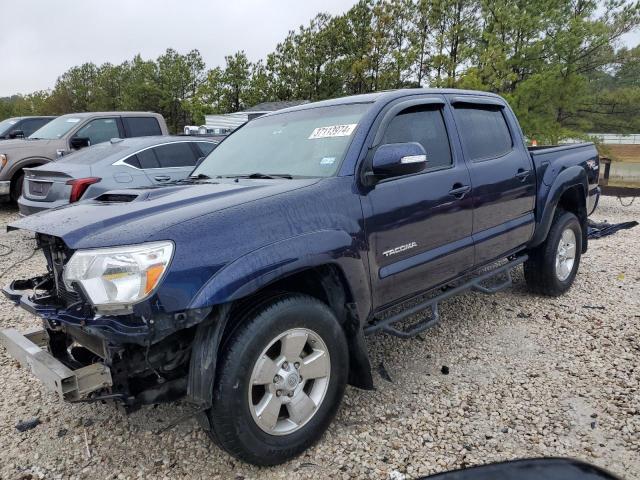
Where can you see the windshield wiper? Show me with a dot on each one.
(200, 176)
(262, 176)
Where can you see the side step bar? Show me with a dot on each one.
(70, 385)
(387, 324)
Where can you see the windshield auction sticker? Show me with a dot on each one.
(333, 131)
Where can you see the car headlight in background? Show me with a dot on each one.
(118, 276)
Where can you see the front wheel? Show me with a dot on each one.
(16, 186)
(282, 376)
(552, 267)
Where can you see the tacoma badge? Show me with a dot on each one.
(401, 248)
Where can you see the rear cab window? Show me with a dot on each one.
(483, 131)
(141, 126)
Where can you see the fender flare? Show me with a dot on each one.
(26, 163)
(253, 271)
(574, 176)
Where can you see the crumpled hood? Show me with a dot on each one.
(122, 217)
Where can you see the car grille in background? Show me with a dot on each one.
(39, 189)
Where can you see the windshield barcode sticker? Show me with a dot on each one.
(333, 131)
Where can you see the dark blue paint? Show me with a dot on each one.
(233, 238)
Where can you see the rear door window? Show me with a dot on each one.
(205, 148)
(99, 130)
(483, 131)
(141, 126)
(134, 161)
(147, 159)
(425, 125)
(175, 155)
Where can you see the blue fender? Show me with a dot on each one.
(273, 262)
(549, 197)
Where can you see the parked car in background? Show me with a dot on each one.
(65, 135)
(117, 164)
(21, 127)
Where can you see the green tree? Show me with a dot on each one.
(141, 89)
(75, 89)
(236, 82)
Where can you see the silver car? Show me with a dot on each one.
(118, 164)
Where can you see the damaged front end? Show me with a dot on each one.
(137, 355)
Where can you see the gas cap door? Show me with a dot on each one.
(122, 177)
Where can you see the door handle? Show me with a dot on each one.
(162, 178)
(523, 174)
(459, 190)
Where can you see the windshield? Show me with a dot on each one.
(56, 128)
(7, 124)
(305, 143)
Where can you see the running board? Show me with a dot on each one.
(386, 325)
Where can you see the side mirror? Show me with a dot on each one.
(200, 160)
(396, 159)
(16, 134)
(79, 142)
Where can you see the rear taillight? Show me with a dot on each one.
(79, 186)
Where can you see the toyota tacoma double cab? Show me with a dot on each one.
(249, 288)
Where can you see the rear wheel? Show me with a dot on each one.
(552, 267)
(282, 376)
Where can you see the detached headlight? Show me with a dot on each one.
(120, 275)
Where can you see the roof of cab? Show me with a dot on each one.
(384, 97)
(120, 114)
(28, 116)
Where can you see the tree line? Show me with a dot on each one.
(559, 63)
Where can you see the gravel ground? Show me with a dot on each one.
(528, 376)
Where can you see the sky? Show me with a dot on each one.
(41, 39)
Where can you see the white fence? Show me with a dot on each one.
(617, 139)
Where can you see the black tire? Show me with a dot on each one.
(233, 426)
(16, 186)
(540, 269)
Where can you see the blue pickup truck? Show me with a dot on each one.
(249, 288)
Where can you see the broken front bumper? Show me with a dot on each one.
(71, 385)
(113, 329)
